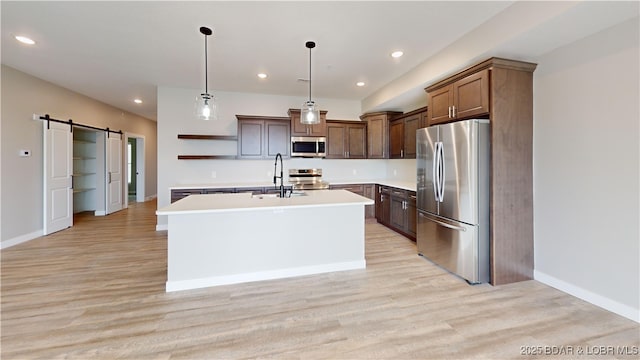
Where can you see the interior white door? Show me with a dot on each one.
(58, 167)
(114, 172)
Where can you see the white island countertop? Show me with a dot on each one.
(401, 184)
(210, 203)
(220, 239)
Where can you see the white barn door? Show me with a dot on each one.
(58, 168)
(114, 172)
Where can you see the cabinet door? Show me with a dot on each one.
(383, 204)
(300, 129)
(411, 214)
(277, 138)
(471, 95)
(297, 128)
(386, 208)
(377, 137)
(411, 125)
(440, 101)
(378, 204)
(357, 141)
(397, 216)
(250, 138)
(424, 119)
(321, 128)
(369, 193)
(336, 141)
(396, 139)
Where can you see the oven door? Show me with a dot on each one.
(307, 146)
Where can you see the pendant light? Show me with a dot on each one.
(309, 114)
(206, 108)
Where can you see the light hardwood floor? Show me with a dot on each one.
(97, 291)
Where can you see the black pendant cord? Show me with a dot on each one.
(310, 45)
(72, 124)
(206, 69)
(309, 74)
(206, 32)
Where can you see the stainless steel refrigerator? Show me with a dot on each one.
(453, 163)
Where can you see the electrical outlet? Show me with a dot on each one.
(214, 174)
(395, 172)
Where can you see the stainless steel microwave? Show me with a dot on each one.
(308, 146)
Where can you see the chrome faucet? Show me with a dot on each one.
(275, 166)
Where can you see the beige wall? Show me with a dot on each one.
(586, 169)
(21, 188)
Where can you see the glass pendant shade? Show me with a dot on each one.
(206, 107)
(309, 114)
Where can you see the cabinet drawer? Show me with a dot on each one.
(354, 188)
(219, 191)
(258, 190)
(399, 193)
(182, 193)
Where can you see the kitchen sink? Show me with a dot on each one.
(291, 194)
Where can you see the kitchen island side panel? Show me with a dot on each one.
(217, 248)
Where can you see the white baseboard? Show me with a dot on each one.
(588, 296)
(20, 239)
(162, 227)
(99, 213)
(150, 197)
(263, 275)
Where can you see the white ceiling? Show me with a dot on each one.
(116, 51)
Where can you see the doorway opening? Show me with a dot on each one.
(135, 168)
(131, 166)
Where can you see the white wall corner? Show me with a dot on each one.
(588, 296)
(21, 239)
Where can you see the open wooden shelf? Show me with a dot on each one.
(206, 157)
(207, 137)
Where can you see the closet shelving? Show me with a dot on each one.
(84, 170)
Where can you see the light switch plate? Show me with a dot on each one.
(25, 153)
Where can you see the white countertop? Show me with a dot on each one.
(406, 185)
(400, 184)
(207, 203)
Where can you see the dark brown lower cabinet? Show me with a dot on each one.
(383, 204)
(396, 209)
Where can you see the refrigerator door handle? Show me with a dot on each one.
(438, 172)
(442, 172)
(436, 177)
(442, 223)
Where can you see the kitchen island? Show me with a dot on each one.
(219, 239)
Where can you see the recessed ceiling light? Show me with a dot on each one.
(137, 101)
(397, 54)
(360, 83)
(262, 76)
(25, 40)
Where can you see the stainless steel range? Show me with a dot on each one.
(307, 179)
